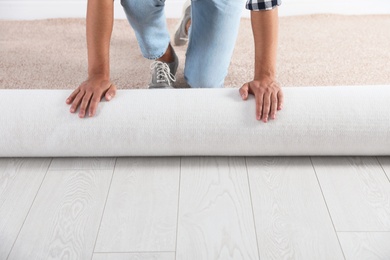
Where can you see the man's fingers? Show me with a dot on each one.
(95, 99)
(280, 100)
(259, 104)
(84, 104)
(244, 91)
(274, 105)
(266, 106)
(111, 92)
(268, 98)
(76, 102)
(72, 96)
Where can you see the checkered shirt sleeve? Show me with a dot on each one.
(257, 5)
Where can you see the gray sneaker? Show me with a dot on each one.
(163, 74)
(181, 37)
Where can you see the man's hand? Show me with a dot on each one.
(268, 95)
(100, 20)
(89, 93)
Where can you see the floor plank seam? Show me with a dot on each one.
(327, 208)
(104, 208)
(32, 203)
(253, 213)
(387, 176)
(178, 209)
(363, 231)
(135, 252)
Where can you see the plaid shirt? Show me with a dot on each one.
(257, 5)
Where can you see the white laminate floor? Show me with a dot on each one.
(195, 208)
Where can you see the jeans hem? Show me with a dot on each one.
(154, 57)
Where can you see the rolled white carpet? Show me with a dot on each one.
(347, 120)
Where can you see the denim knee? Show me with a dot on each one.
(204, 82)
(227, 6)
(148, 21)
(141, 10)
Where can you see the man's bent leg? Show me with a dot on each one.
(212, 37)
(149, 23)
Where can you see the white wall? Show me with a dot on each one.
(41, 9)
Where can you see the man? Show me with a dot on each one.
(212, 34)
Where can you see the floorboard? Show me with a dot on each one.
(215, 216)
(385, 163)
(82, 164)
(365, 245)
(134, 256)
(20, 180)
(195, 208)
(141, 210)
(357, 192)
(292, 220)
(64, 219)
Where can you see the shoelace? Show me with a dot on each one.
(163, 72)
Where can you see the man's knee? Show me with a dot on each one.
(204, 82)
(228, 6)
(141, 9)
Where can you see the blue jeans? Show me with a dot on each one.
(212, 36)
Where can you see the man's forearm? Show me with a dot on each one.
(265, 33)
(100, 15)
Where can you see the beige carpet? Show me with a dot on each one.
(313, 50)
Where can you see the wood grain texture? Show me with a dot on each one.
(215, 213)
(141, 210)
(82, 164)
(291, 217)
(65, 217)
(385, 163)
(20, 180)
(134, 256)
(357, 192)
(365, 245)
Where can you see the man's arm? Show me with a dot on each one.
(100, 20)
(269, 96)
(265, 33)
